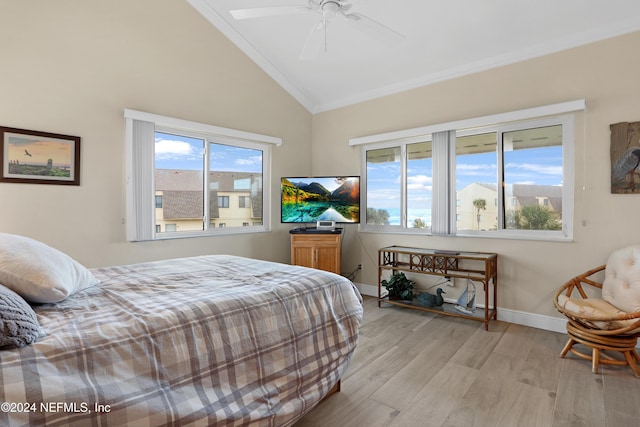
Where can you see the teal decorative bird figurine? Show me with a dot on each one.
(426, 299)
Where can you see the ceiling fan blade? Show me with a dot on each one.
(316, 42)
(374, 29)
(261, 12)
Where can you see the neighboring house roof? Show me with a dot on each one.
(183, 195)
(182, 204)
(191, 180)
(178, 180)
(488, 186)
(529, 194)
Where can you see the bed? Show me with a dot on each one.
(208, 340)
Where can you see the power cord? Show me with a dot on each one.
(351, 276)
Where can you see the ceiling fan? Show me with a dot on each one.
(329, 9)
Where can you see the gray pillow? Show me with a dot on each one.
(18, 322)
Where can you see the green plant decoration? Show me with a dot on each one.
(399, 287)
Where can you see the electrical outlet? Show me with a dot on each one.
(359, 266)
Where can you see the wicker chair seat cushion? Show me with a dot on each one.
(595, 313)
(621, 285)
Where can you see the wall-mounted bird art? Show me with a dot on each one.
(625, 157)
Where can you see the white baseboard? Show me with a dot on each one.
(548, 323)
(533, 320)
(368, 290)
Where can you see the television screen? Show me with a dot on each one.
(327, 198)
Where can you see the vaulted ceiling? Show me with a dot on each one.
(440, 39)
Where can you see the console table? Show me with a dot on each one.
(476, 266)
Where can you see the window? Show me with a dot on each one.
(533, 177)
(244, 202)
(384, 170)
(392, 201)
(194, 170)
(179, 182)
(476, 185)
(419, 185)
(242, 184)
(510, 178)
(223, 201)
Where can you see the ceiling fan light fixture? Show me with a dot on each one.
(317, 39)
(330, 9)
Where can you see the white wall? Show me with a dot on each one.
(605, 74)
(73, 66)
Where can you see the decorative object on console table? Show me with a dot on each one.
(33, 157)
(399, 287)
(473, 266)
(425, 299)
(315, 248)
(467, 301)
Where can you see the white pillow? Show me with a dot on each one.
(40, 273)
(621, 285)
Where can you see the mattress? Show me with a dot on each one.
(209, 340)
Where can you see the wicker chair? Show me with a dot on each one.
(598, 323)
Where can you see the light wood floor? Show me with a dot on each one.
(413, 368)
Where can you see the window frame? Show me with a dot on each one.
(563, 114)
(140, 168)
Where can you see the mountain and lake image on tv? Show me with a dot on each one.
(311, 199)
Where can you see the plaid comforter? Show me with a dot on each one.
(211, 340)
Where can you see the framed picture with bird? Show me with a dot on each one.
(34, 157)
(625, 157)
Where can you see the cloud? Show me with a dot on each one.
(475, 170)
(513, 170)
(171, 149)
(390, 168)
(255, 160)
(537, 168)
(419, 183)
(384, 196)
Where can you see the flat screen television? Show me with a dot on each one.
(320, 198)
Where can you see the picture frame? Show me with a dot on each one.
(34, 157)
(625, 158)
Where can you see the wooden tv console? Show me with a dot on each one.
(315, 248)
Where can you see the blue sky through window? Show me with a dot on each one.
(538, 166)
(186, 153)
